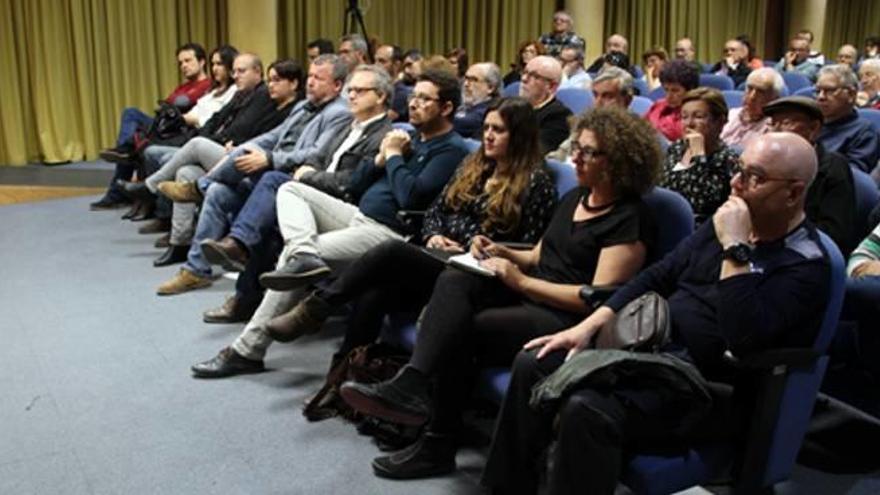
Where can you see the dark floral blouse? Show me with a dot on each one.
(538, 203)
(706, 183)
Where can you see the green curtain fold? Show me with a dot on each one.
(849, 22)
(708, 22)
(73, 65)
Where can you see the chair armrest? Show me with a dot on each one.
(412, 221)
(769, 359)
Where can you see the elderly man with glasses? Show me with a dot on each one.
(482, 82)
(845, 131)
(563, 35)
(540, 80)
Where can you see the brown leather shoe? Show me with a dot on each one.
(226, 252)
(183, 281)
(306, 317)
(181, 192)
(227, 363)
(234, 310)
(156, 226)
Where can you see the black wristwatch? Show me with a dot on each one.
(739, 252)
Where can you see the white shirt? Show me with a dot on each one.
(209, 104)
(357, 130)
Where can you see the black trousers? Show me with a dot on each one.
(593, 429)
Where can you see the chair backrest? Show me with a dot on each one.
(707, 67)
(472, 144)
(641, 87)
(657, 93)
(511, 89)
(404, 126)
(872, 116)
(733, 98)
(637, 71)
(717, 81)
(867, 197)
(673, 216)
(564, 176)
(795, 81)
(809, 92)
(640, 105)
(577, 100)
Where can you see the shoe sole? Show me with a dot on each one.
(200, 374)
(223, 319)
(183, 290)
(380, 471)
(376, 408)
(285, 337)
(291, 282)
(219, 257)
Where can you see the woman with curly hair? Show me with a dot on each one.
(527, 50)
(699, 166)
(677, 78)
(600, 235)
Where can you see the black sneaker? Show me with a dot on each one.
(303, 270)
(430, 455)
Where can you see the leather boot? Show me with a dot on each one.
(174, 254)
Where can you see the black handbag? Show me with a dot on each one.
(640, 326)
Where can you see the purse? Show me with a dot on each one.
(640, 326)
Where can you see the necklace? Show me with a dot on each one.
(594, 209)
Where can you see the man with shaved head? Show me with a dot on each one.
(748, 121)
(616, 43)
(754, 278)
(540, 80)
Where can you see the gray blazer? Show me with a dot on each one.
(311, 145)
(366, 147)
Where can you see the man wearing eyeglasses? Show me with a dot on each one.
(754, 278)
(831, 200)
(318, 230)
(733, 65)
(248, 247)
(540, 80)
(562, 35)
(482, 82)
(845, 131)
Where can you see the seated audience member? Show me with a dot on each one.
(677, 78)
(685, 50)
(249, 245)
(390, 58)
(353, 50)
(844, 131)
(797, 59)
(848, 55)
(404, 86)
(753, 278)
(561, 36)
(222, 87)
(617, 59)
(600, 235)
(815, 56)
(257, 108)
(831, 199)
(748, 121)
(753, 61)
(699, 165)
(528, 50)
(319, 47)
(869, 77)
(872, 48)
(407, 173)
(191, 62)
(734, 64)
(573, 73)
(615, 43)
(300, 139)
(458, 58)
(434, 62)
(502, 192)
(539, 84)
(653, 60)
(482, 82)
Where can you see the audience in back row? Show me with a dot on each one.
(677, 77)
(748, 121)
(561, 36)
(844, 130)
(540, 80)
(528, 50)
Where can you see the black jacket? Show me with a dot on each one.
(248, 114)
(831, 199)
(553, 122)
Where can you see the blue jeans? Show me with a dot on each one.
(155, 156)
(226, 173)
(132, 118)
(222, 204)
(258, 214)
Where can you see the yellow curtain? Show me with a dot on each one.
(488, 29)
(849, 22)
(72, 65)
(707, 22)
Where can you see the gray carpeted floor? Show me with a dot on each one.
(97, 396)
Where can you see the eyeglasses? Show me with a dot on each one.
(752, 178)
(579, 152)
(358, 90)
(828, 91)
(421, 99)
(534, 75)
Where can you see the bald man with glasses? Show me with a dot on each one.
(540, 80)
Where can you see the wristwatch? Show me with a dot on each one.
(739, 252)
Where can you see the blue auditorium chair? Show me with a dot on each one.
(733, 98)
(657, 93)
(472, 144)
(786, 382)
(404, 126)
(577, 100)
(809, 92)
(867, 197)
(640, 105)
(641, 87)
(511, 89)
(717, 81)
(872, 116)
(795, 81)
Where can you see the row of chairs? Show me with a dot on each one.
(787, 382)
